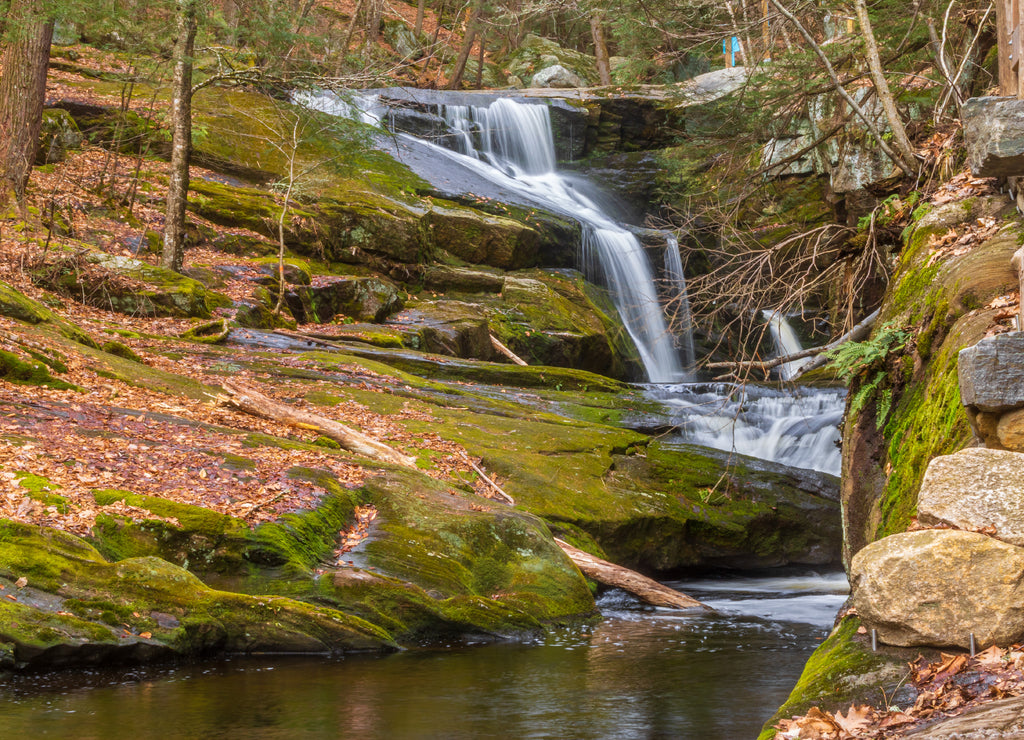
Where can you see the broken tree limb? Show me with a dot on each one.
(257, 404)
(501, 348)
(857, 333)
(644, 588)
(488, 481)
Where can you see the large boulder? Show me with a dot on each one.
(976, 489)
(938, 587)
(556, 76)
(453, 328)
(994, 133)
(359, 298)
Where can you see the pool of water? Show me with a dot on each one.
(640, 673)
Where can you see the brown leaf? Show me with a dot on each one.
(145, 635)
(991, 657)
(21, 582)
(856, 719)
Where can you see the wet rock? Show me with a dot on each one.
(362, 299)
(556, 76)
(994, 133)
(937, 587)
(992, 373)
(461, 279)
(451, 328)
(976, 489)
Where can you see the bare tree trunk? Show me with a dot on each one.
(604, 69)
(900, 162)
(374, 13)
(181, 136)
(351, 26)
(906, 149)
(467, 48)
(421, 8)
(26, 55)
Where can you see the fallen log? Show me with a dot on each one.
(257, 404)
(856, 334)
(644, 588)
(501, 348)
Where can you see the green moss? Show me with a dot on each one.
(304, 540)
(15, 370)
(121, 350)
(202, 540)
(20, 307)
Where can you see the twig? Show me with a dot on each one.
(491, 483)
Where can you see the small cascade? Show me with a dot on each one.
(798, 427)
(786, 343)
(678, 302)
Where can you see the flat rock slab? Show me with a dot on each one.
(992, 373)
(976, 489)
(997, 719)
(994, 132)
(936, 587)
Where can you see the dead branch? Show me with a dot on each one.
(856, 334)
(506, 351)
(644, 588)
(511, 501)
(257, 404)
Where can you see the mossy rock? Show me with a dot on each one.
(844, 671)
(161, 609)
(359, 298)
(22, 371)
(18, 306)
(202, 541)
(940, 302)
(58, 135)
(163, 292)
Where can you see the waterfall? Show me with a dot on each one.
(511, 145)
(786, 343)
(679, 301)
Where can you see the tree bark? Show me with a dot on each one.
(255, 403)
(181, 136)
(885, 97)
(467, 48)
(644, 588)
(421, 7)
(25, 58)
(604, 69)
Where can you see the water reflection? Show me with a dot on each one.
(641, 673)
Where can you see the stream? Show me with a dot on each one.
(639, 673)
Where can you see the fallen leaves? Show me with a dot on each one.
(955, 243)
(943, 688)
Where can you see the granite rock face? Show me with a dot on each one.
(992, 373)
(994, 132)
(976, 489)
(557, 76)
(937, 587)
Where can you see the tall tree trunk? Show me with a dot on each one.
(467, 48)
(421, 8)
(374, 14)
(881, 86)
(604, 69)
(26, 56)
(181, 135)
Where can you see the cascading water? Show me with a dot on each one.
(678, 304)
(796, 427)
(512, 145)
(786, 343)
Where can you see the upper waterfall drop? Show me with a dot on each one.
(786, 343)
(511, 145)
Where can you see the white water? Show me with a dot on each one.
(798, 427)
(786, 343)
(678, 303)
